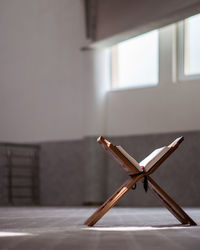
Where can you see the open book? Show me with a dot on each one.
(149, 161)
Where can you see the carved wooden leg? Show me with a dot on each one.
(169, 203)
(99, 213)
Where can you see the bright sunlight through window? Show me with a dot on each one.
(192, 45)
(135, 62)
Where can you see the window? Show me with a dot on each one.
(189, 48)
(192, 46)
(135, 62)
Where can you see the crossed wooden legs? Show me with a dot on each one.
(168, 202)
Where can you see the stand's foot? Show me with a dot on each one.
(112, 200)
(169, 203)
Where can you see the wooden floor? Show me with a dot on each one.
(36, 228)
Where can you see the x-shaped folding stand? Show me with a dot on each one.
(134, 176)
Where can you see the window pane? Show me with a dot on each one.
(135, 61)
(192, 45)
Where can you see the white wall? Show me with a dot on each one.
(168, 107)
(50, 90)
(97, 81)
(41, 70)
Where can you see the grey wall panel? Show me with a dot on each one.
(95, 171)
(72, 172)
(62, 173)
(79, 172)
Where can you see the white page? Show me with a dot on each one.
(130, 158)
(151, 159)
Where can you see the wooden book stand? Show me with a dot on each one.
(134, 176)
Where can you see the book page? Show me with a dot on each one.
(151, 159)
(129, 157)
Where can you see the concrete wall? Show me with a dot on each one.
(96, 69)
(80, 172)
(41, 70)
(52, 91)
(168, 107)
(171, 106)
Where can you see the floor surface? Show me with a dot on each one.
(44, 228)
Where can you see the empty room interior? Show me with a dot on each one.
(78, 78)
